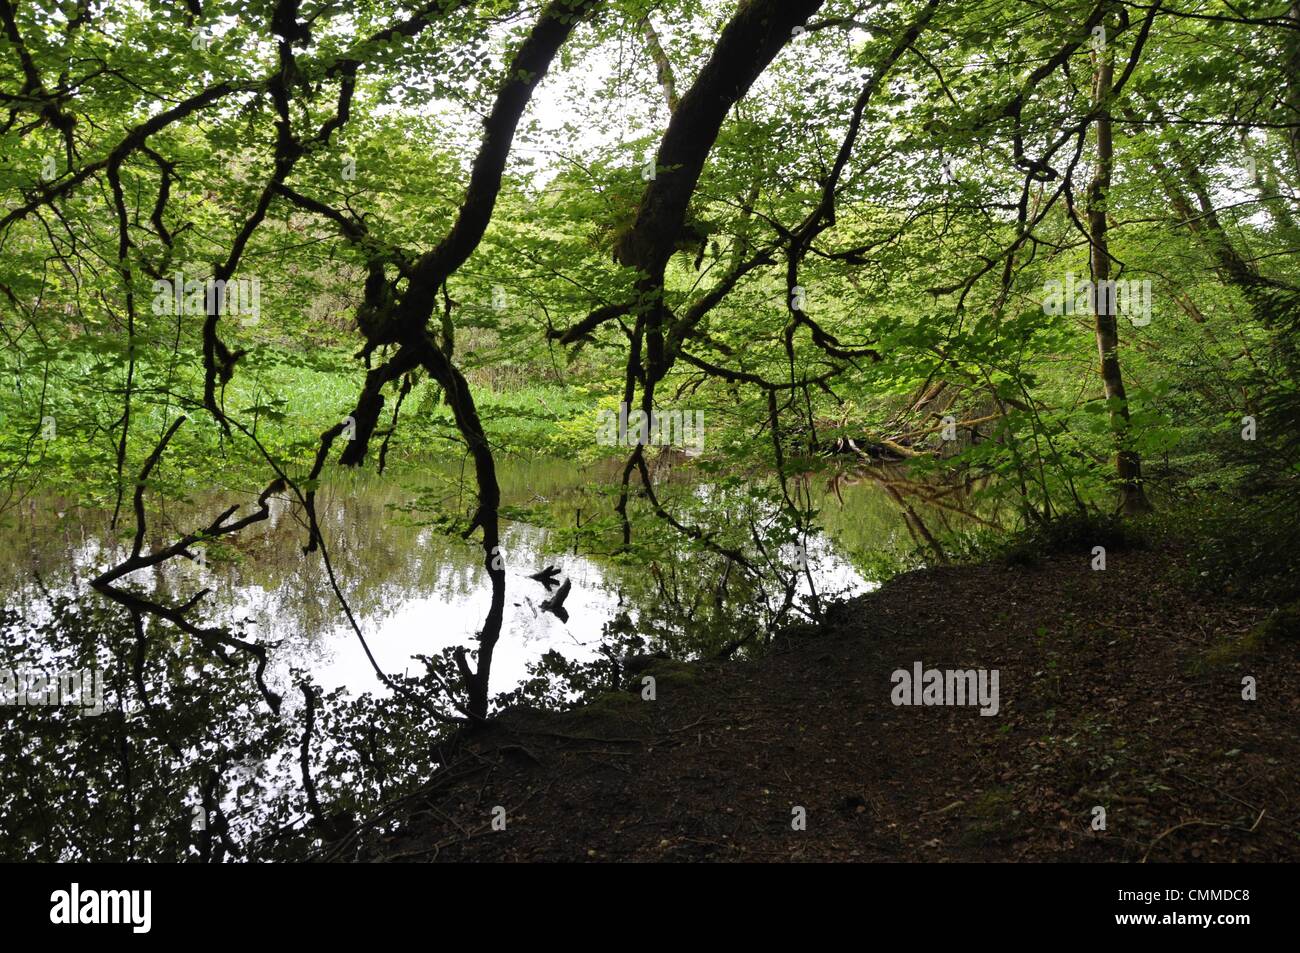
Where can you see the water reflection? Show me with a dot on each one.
(413, 588)
(188, 762)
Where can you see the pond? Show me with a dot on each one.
(413, 588)
(186, 747)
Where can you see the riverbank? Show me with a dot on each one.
(1119, 689)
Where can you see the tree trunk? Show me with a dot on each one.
(1128, 465)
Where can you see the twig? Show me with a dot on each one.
(1237, 827)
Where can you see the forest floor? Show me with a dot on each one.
(1119, 689)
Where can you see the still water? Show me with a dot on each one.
(414, 588)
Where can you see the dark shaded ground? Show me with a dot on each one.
(1118, 688)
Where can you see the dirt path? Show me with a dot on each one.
(1117, 689)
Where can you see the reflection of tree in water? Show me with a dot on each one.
(186, 762)
(867, 507)
(197, 732)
